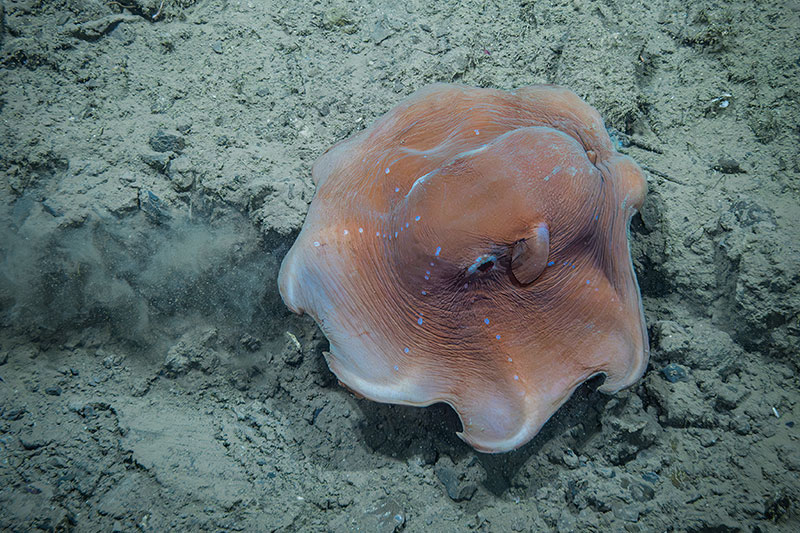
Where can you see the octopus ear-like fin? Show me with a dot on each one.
(529, 256)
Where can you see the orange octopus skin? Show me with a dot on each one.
(471, 247)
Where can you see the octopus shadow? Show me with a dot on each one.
(403, 432)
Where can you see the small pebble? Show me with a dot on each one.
(628, 513)
(570, 459)
(162, 141)
(642, 492)
(650, 477)
(727, 165)
(674, 373)
(606, 472)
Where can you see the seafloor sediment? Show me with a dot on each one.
(156, 166)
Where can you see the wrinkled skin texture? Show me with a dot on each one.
(471, 247)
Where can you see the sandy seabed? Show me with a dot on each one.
(155, 161)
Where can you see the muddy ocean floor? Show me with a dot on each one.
(155, 161)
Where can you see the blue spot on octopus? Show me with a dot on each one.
(487, 221)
